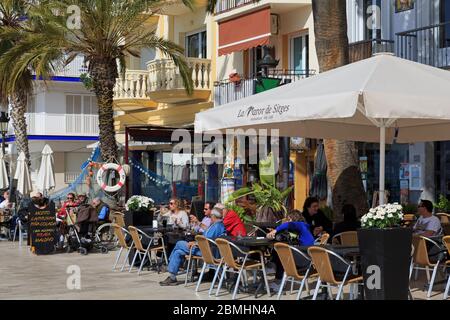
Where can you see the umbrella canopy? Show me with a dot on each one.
(374, 100)
(23, 175)
(4, 182)
(46, 175)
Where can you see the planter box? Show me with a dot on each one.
(138, 218)
(390, 250)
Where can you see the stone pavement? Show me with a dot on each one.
(24, 275)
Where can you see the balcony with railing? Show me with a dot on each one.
(428, 45)
(61, 124)
(226, 91)
(367, 48)
(132, 91)
(166, 84)
(225, 6)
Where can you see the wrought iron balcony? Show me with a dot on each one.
(428, 45)
(226, 91)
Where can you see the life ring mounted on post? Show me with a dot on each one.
(111, 166)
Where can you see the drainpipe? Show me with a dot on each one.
(127, 184)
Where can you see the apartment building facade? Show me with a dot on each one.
(63, 114)
(229, 51)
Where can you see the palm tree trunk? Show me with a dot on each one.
(104, 75)
(330, 28)
(19, 108)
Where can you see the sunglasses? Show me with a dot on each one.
(171, 203)
(69, 198)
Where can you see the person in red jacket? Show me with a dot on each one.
(233, 224)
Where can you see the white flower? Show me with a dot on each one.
(390, 215)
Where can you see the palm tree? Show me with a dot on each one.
(11, 17)
(330, 28)
(110, 30)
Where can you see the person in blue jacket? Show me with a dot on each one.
(297, 225)
(182, 248)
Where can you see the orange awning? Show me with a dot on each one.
(244, 32)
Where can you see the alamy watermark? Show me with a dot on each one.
(216, 147)
(73, 281)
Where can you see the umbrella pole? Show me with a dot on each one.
(382, 162)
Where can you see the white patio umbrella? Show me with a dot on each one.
(23, 176)
(4, 182)
(46, 176)
(373, 100)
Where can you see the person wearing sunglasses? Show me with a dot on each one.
(206, 221)
(69, 203)
(427, 225)
(177, 216)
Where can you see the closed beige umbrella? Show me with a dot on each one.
(46, 176)
(22, 176)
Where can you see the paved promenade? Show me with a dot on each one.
(26, 276)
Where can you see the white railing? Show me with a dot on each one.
(226, 5)
(70, 177)
(61, 124)
(164, 75)
(133, 86)
(74, 69)
(84, 124)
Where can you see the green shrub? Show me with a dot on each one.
(443, 204)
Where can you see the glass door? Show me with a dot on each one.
(298, 59)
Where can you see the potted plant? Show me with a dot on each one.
(138, 211)
(269, 200)
(443, 205)
(385, 250)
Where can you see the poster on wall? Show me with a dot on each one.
(415, 180)
(403, 5)
(404, 171)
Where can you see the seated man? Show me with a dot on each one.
(101, 209)
(206, 221)
(182, 248)
(427, 225)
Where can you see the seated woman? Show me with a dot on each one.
(176, 216)
(296, 224)
(350, 222)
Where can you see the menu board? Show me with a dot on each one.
(43, 229)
